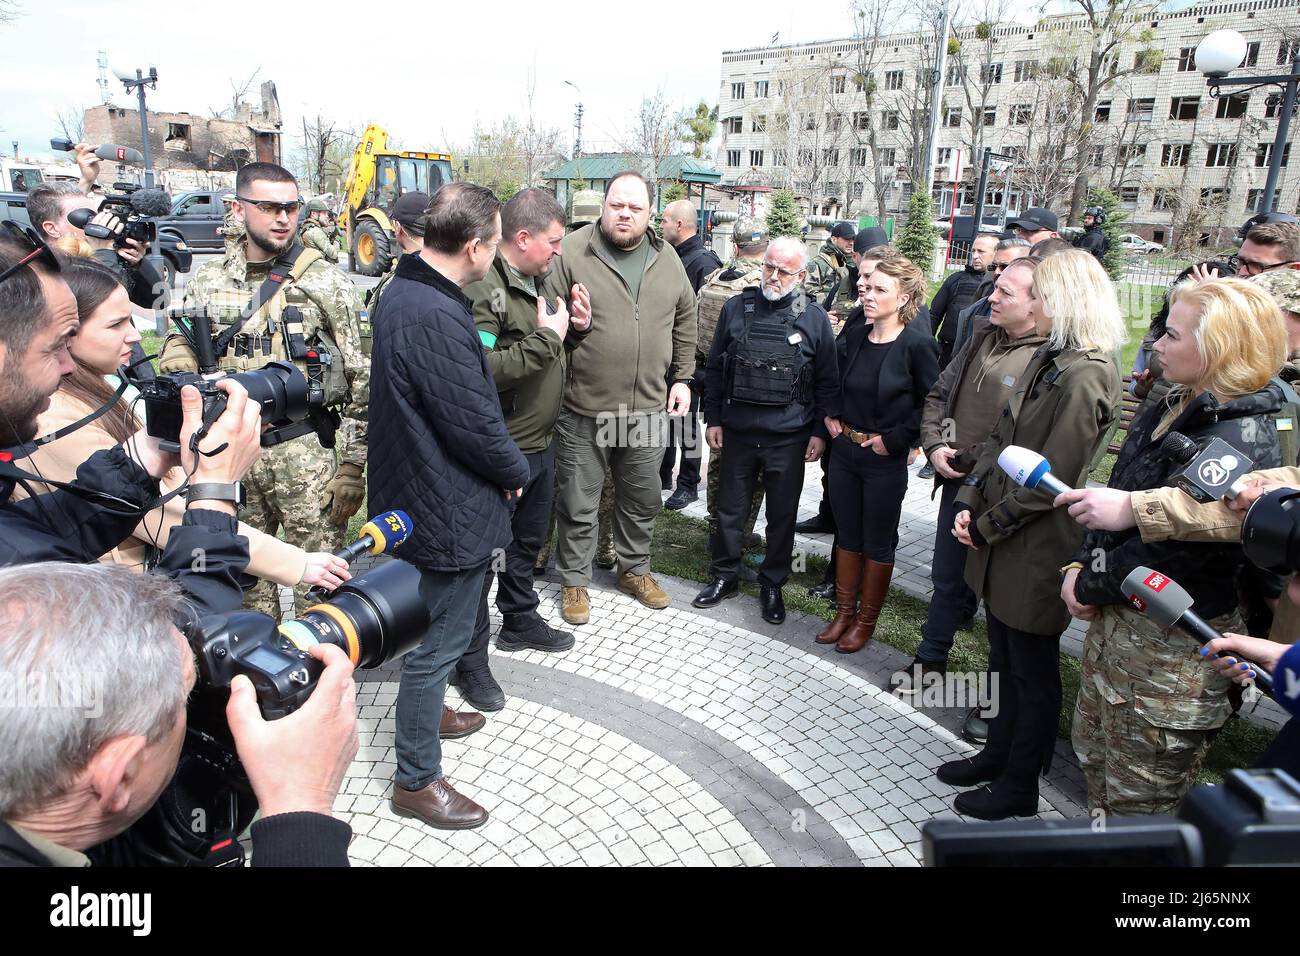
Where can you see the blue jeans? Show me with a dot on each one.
(452, 597)
(952, 601)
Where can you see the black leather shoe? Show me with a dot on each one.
(975, 728)
(967, 772)
(772, 603)
(912, 680)
(717, 592)
(987, 803)
(825, 591)
(927, 471)
(479, 689)
(536, 635)
(818, 524)
(680, 498)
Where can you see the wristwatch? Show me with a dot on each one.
(216, 491)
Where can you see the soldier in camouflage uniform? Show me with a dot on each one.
(318, 232)
(831, 266)
(1284, 286)
(296, 485)
(232, 228)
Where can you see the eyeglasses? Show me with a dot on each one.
(999, 266)
(786, 273)
(1238, 263)
(26, 236)
(273, 208)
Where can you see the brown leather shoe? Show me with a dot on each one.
(848, 579)
(456, 725)
(438, 805)
(645, 589)
(575, 605)
(875, 587)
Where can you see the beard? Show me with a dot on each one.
(772, 295)
(20, 407)
(631, 242)
(267, 242)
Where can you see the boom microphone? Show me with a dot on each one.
(380, 535)
(1029, 469)
(1168, 604)
(151, 202)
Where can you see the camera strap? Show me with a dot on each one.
(291, 264)
(84, 420)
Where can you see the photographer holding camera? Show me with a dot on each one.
(99, 675)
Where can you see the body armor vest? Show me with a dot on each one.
(764, 366)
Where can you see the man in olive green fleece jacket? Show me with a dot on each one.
(524, 341)
(643, 328)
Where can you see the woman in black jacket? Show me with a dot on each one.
(1148, 706)
(887, 367)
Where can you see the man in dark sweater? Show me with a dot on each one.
(957, 292)
(772, 378)
(440, 450)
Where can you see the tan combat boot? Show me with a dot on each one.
(575, 605)
(645, 589)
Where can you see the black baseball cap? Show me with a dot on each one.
(411, 210)
(1035, 219)
(869, 238)
(843, 230)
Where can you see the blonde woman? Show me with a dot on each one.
(1068, 396)
(103, 344)
(887, 363)
(1148, 706)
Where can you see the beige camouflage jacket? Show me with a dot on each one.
(327, 299)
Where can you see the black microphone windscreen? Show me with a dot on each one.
(151, 202)
(1178, 447)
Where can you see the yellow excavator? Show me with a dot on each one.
(376, 177)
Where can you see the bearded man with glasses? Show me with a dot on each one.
(271, 300)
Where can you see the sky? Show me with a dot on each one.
(427, 75)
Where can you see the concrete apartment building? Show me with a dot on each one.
(1177, 158)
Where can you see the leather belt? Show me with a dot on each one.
(858, 437)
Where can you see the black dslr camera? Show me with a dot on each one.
(292, 403)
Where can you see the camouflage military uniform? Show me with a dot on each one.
(740, 266)
(1148, 707)
(232, 230)
(830, 267)
(315, 236)
(285, 487)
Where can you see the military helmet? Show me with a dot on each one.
(1097, 213)
(585, 206)
(228, 198)
(316, 205)
(749, 231)
(1283, 285)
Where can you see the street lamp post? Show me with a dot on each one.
(1223, 51)
(138, 83)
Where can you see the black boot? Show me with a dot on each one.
(968, 771)
(534, 633)
(995, 803)
(479, 688)
(680, 498)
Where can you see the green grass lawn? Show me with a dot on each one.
(681, 550)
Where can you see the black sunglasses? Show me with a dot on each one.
(27, 236)
(273, 208)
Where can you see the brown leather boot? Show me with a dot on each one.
(875, 587)
(848, 579)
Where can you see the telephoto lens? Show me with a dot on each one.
(1270, 535)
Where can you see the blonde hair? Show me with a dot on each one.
(1240, 335)
(910, 282)
(1075, 292)
(74, 246)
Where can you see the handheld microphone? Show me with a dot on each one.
(1208, 474)
(1168, 604)
(380, 535)
(1029, 469)
(116, 154)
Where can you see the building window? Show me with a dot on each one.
(1164, 200)
(780, 87)
(833, 122)
(806, 157)
(1134, 154)
(733, 124)
(1216, 196)
(760, 89)
(759, 125)
(889, 119)
(830, 157)
(1022, 114)
(780, 157)
(1128, 196)
(756, 157)
(837, 83)
(733, 157)
(1096, 155)
(738, 91)
(991, 73)
(1187, 59)
(1026, 70)
(1253, 195)
(1287, 51)
(1157, 235)
(943, 156)
(178, 137)
(889, 157)
(1175, 154)
(1139, 111)
(1184, 107)
(894, 79)
(1221, 154)
(1273, 107)
(952, 116)
(858, 156)
(1264, 154)
(810, 124)
(1102, 113)
(860, 120)
(1252, 54)
(956, 74)
(990, 115)
(1232, 107)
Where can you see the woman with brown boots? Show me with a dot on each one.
(887, 367)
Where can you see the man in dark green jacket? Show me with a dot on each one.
(524, 339)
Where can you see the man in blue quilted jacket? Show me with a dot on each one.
(440, 451)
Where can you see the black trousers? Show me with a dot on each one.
(866, 492)
(516, 599)
(1022, 734)
(782, 469)
(953, 601)
(684, 433)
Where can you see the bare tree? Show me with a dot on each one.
(808, 130)
(238, 90)
(871, 19)
(326, 152)
(538, 144)
(977, 62)
(9, 11)
(656, 134)
(72, 123)
(1047, 139)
